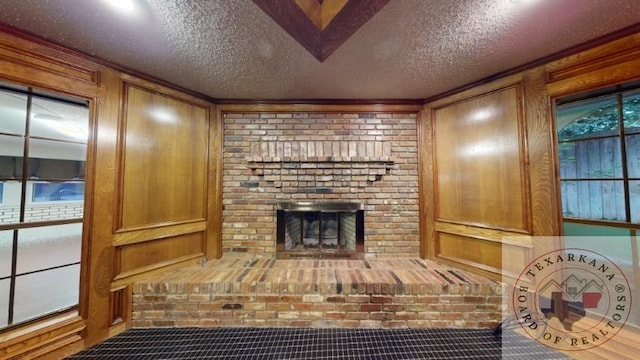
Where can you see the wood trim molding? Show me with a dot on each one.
(213, 238)
(28, 341)
(98, 269)
(129, 277)
(606, 65)
(617, 51)
(426, 200)
(485, 89)
(544, 200)
(313, 102)
(164, 90)
(327, 108)
(129, 237)
(495, 235)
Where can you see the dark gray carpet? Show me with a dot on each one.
(291, 343)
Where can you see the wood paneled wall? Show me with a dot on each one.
(162, 182)
(489, 160)
(481, 145)
(152, 188)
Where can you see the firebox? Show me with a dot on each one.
(323, 229)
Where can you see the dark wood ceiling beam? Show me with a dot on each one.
(294, 21)
(342, 19)
(346, 22)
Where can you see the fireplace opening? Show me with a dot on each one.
(320, 230)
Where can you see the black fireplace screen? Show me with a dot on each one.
(320, 229)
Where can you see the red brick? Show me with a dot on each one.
(463, 307)
(393, 307)
(359, 298)
(164, 323)
(451, 316)
(266, 314)
(278, 306)
(336, 299)
(381, 316)
(403, 315)
(300, 323)
(441, 324)
(394, 324)
(335, 315)
(381, 299)
(474, 299)
(427, 299)
(301, 307)
(370, 307)
(324, 307)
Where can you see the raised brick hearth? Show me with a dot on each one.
(249, 290)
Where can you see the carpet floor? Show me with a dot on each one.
(293, 343)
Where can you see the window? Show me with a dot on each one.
(599, 157)
(63, 191)
(599, 153)
(43, 140)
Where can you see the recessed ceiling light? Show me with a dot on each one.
(126, 7)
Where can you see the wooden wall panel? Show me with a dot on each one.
(480, 178)
(140, 256)
(164, 160)
(464, 249)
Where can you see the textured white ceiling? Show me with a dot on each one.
(411, 49)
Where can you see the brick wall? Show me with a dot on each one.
(366, 157)
(42, 212)
(156, 305)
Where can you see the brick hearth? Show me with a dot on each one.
(252, 290)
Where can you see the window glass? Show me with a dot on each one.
(1, 191)
(633, 155)
(52, 119)
(11, 150)
(56, 289)
(4, 302)
(591, 159)
(10, 166)
(596, 200)
(6, 242)
(58, 191)
(634, 200)
(48, 246)
(588, 119)
(631, 111)
(49, 149)
(13, 112)
(10, 207)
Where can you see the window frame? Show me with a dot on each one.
(618, 92)
(27, 183)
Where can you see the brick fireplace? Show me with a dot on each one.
(365, 158)
(334, 184)
(326, 229)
